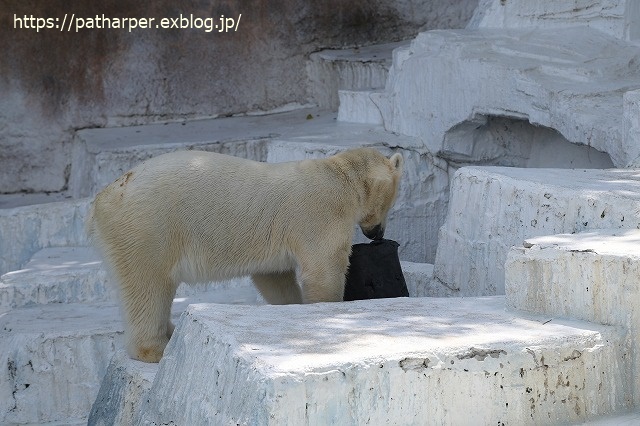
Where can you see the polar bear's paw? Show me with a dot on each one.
(149, 352)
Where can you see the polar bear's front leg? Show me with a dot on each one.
(322, 278)
(278, 288)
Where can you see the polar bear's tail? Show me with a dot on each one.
(94, 237)
(90, 227)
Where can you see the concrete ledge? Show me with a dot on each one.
(592, 275)
(420, 282)
(55, 357)
(614, 17)
(348, 69)
(57, 354)
(494, 208)
(386, 361)
(56, 275)
(126, 382)
(357, 106)
(27, 229)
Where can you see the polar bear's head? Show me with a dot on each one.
(380, 189)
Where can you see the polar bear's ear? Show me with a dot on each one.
(396, 162)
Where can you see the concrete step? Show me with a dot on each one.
(125, 383)
(360, 68)
(359, 106)
(57, 275)
(420, 282)
(55, 357)
(593, 275)
(28, 228)
(60, 311)
(377, 361)
(627, 419)
(57, 354)
(509, 205)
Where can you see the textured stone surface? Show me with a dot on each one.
(359, 68)
(494, 208)
(56, 275)
(382, 361)
(631, 128)
(358, 106)
(568, 79)
(102, 155)
(54, 357)
(125, 383)
(57, 354)
(49, 310)
(618, 18)
(27, 229)
(420, 282)
(57, 81)
(591, 275)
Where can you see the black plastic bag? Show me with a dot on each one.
(374, 272)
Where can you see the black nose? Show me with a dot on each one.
(375, 233)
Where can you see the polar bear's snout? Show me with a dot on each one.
(375, 233)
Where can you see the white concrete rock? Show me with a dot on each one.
(104, 154)
(494, 208)
(420, 282)
(618, 18)
(396, 361)
(55, 357)
(358, 106)
(631, 128)
(77, 275)
(56, 275)
(27, 229)
(57, 354)
(360, 68)
(591, 275)
(571, 79)
(125, 383)
(625, 419)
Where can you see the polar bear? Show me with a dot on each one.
(199, 217)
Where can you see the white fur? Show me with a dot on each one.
(198, 217)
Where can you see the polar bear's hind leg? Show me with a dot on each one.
(147, 304)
